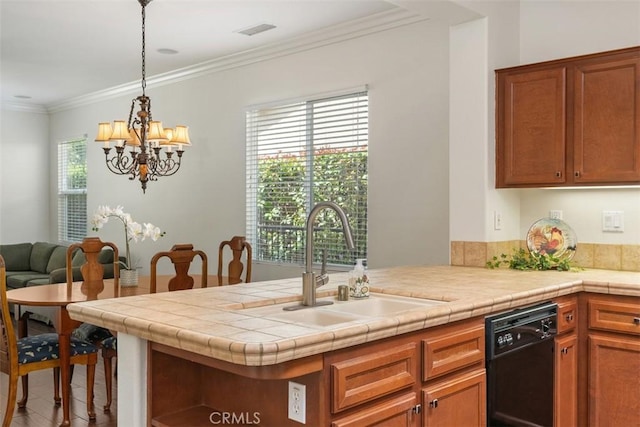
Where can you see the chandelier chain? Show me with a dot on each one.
(144, 71)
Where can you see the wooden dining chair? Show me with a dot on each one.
(238, 246)
(18, 357)
(181, 256)
(93, 283)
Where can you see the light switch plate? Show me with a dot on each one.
(613, 221)
(497, 220)
(555, 214)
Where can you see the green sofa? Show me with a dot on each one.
(31, 264)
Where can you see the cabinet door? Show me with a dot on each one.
(460, 401)
(607, 121)
(566, 382)
(531, 127)
(397, 412)
(614, 380)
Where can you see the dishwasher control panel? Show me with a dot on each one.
(520, 328)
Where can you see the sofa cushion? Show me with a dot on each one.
(20, 280)
(104, 257)
(78, 258)
(40, 281)
(16, 256)
(40, 255)
(58, 259)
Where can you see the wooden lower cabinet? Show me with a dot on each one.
(614, 381)
(460, 401)
(392, 382)
(565, 407)
(613, 375)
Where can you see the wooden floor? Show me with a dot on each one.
(41, 410)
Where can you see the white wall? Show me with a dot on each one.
(547, 30)
(551, 30)
(407, 72)
(24, 175)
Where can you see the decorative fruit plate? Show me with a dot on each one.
(552, 237)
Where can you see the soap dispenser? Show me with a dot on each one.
(358, 282)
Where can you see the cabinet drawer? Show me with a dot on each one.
(567, 315)
(370, 376)
(451, 351)
(614, 316)
(398, 411)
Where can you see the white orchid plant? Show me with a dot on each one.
(132, 230)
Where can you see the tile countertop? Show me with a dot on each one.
(211, 321)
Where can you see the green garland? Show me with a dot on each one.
(523, 260)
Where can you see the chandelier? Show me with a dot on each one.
(145, 137)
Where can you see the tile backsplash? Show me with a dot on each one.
(588, 255)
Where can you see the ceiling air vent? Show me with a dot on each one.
(261, 28)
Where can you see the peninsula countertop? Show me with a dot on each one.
(214, 322)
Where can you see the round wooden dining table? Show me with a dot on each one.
(60, 295)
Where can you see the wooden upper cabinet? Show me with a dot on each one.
(607, 121)
(569, 122)
(531, 130)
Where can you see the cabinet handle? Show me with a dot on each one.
(564, 350)
(636, 320)
(559, 174)
(433, 403)
(417, 409)
(576, 174)
(569, 317)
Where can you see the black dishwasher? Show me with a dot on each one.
(520, 359)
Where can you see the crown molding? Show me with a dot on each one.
(24, 107)
(338, 33)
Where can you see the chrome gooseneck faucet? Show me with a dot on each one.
(309, 280)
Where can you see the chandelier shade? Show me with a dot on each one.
(151, 146)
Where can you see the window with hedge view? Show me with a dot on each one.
(72, 190)
(300, 154)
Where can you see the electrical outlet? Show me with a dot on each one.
(497, 220)
(555, 214)
(297, 402)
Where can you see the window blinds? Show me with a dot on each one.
(72, 190)
(300, 154)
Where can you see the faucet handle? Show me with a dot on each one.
(323, 268)
(322, 279)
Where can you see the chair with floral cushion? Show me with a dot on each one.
(109, 352)
(18, 357)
